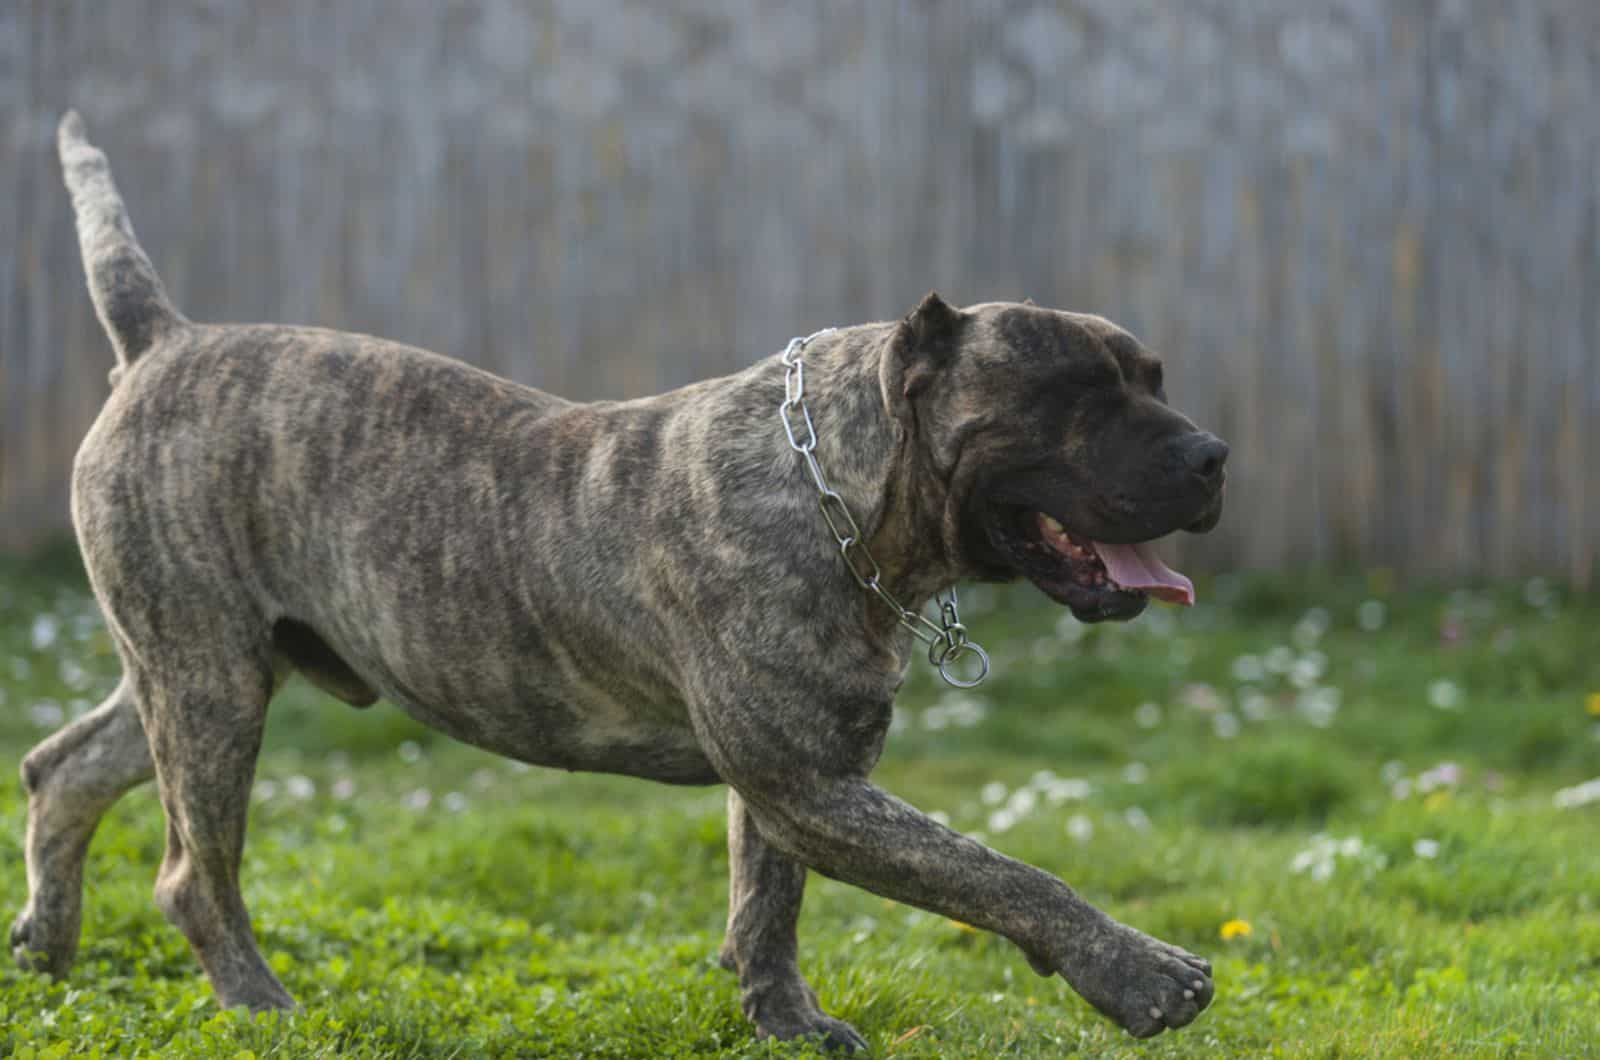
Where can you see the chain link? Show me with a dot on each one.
(947, 641)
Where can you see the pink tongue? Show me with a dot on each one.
(1138, 567)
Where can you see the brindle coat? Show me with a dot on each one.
(639, 587)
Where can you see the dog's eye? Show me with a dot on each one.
(1094, 373)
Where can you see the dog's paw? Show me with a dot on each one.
(1142, 984)
(833, 1034)
(31, 947)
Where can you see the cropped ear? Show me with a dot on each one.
(920, 345)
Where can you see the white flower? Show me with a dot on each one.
(47, 714)
(1255, 706)
(1425, 848)
(1137, 819)
(993, 793)
(1225, 725)
(1079, 827)
(1022, 802)
(1248, 669)
(1578, 795)
(455, 802)
(344, 788)
(1001, 821)
(939, 817)
(1444, 694)
(1135, 773)
(1147, 716)
(1371, 615)
(420, 799)
(1279, 659)
(1319, 705)
(299, 787)
(1067, 789)
(410, 751)
(45, 629)
(1312, 625)
(1536, 592)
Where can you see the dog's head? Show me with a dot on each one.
(1057, 455)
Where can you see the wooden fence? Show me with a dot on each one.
(1364, 233)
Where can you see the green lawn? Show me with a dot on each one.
(1380, 787)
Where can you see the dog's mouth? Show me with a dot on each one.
(1096, 579)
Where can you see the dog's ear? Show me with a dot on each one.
(920, 345)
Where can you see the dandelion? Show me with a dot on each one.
(1592, 704)
(1235, 929)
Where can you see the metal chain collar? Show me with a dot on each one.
(947, 642)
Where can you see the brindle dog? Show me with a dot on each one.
(638, 587)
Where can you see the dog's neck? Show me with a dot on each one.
(872, 460)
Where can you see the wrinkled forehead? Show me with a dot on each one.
(1027, 336)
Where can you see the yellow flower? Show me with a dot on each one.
(1592, 704)
(1436, 801)
(1235, 928)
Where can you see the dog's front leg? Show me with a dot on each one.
(851, 830)
(765, 889)
(798, 768)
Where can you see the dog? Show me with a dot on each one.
(636, 587)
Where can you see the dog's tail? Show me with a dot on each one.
(128, 296)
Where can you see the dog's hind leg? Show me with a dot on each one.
(72, 779)
(765, 891)
(204, 703)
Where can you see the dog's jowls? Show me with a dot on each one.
(641, 587)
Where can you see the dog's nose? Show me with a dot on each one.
(1204, 454)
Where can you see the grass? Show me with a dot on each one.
(1376, 791)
